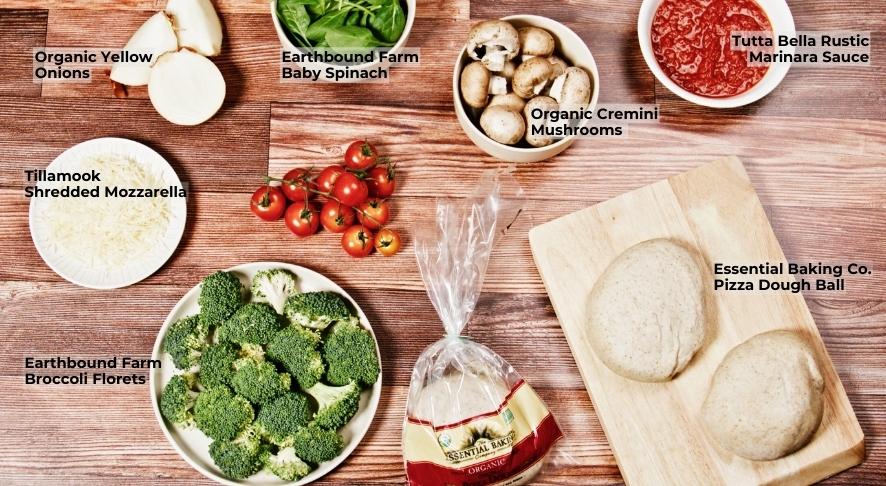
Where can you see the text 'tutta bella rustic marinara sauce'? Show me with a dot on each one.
(690, 41)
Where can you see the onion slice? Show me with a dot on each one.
(155, 37)
(186, 88)
(197, 25)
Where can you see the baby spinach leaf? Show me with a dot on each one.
(351, 37)
(293, 15)
(388, 21)
(317, 31)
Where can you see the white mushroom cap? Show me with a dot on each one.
(509, 101)
(535, 41)
(493, 42)
(574, 92)
(544, 103)
(531, 77)
(502, 125)
(474, 84)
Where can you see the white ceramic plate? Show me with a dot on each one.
(782, 23)
(75, 271)
(193, 446)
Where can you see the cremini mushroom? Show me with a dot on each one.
(572, 89)
(508, 70)
(493, 42)
(544, 104)
(502, 125)
(477, 83)
(531, 77)
(509, 101)
(535, 42)
(558, 64)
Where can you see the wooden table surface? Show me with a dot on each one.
(814, 149)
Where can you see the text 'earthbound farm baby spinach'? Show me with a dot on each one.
(343, 23)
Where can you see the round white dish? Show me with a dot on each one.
(782, 23)
(193, 446)
(288, 45)
(84, 276)
(571, 48)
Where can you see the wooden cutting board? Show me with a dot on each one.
(654, 429)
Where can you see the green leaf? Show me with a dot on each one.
(388, 21)
(351, 37)
(317, 31)
(295, 17)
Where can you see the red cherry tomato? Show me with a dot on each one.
(299, 185)
(302, 219)
(336, 217)
(326, 180)
(381, 180)
(357, 241)
(387, 242)
(374, 213)
(360, 155)
(268, 203)
(350, 190)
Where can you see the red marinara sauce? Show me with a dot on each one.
(690, 40)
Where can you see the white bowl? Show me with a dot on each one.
(193, 446)
(571, 48)
(288, 45)
(782, 23)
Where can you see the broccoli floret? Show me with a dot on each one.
(274, 287)
(253, 351)
(280, 419)
(350, 355)
(241, 457)
(336, 404)
(297, 349)
(317, 309)
(258, 381)
(221, 294)
(222, 415)
(217, 365)
(315, 444)
(286, 465)
(185, 341)
(253, 323)
(177, 399)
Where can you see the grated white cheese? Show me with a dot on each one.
(107, 233)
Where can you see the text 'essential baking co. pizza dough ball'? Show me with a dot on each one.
(765, 399)
(646, 313)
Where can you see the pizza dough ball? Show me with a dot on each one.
(646, 313)
(765, 399)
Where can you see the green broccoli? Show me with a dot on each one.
(296, 349)
(286, 465)
(317, 309)
(350, 355)
(274, 287)
(221, 294)
(177, 399)
(254, 351)
(241, 457)
(280, 419)
(217, 365)
(253, 323)
(336, 404)
(222, 415)
(258, 381)
(185, 341)
(315, 444)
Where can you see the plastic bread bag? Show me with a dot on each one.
(470, 417)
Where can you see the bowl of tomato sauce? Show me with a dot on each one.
(687, 45)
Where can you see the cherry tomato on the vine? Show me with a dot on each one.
(298, 186)
(336, 217)
(387, 242)
(350, 190)
(380, 180)
(374, 213)
(357, 241)
(302, 219)
(360, 155)
(326, 180)
(268, 203)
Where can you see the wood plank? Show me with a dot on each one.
(22, 31)
(227, 234)
(228, 153)
(249, 62)
(714, 209)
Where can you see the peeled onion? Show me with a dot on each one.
(197, 25)
(186, 88)
(155, 37)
